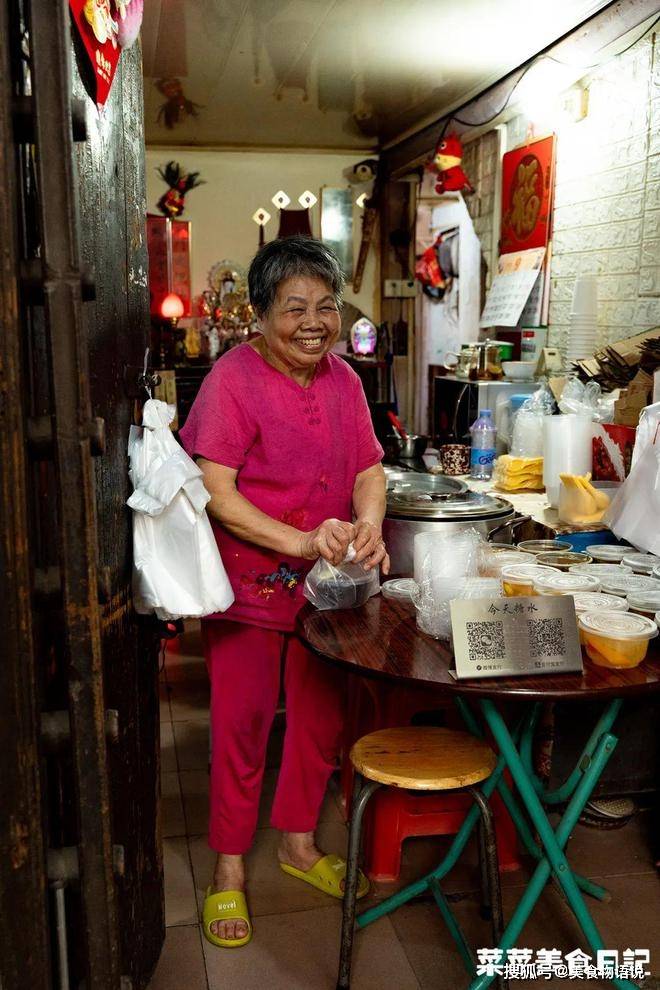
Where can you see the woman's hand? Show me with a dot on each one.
(329, 540)
(370, 549)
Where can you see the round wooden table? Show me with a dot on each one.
(381, 640)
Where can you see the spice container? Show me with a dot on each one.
(564, 584)
(644, 602)
(543, 546)
(518, 579)
(607, 553)
(616, 639)
(641, 563)
(627, 584)
(563, 559)
(601, 570)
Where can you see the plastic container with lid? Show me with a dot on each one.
(564, 584)
(563, 559)
(641, 563)
(498, 561)
(616, 639)
(655, 573)
(607, 553)
(597, 602)
(600, 570)
(543, 546)
(518, 579)
(627, 584)
(644, 602)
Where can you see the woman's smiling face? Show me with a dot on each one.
(302, 324)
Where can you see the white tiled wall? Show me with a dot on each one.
(607, 196)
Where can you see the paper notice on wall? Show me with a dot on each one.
(517, 274)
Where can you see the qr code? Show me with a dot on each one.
(485, 640)
(546, 637)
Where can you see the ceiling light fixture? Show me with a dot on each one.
(280, 200)
(261, 216)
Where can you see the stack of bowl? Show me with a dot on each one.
(583, 332)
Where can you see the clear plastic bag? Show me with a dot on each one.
(455, 565)
(587, 400)
(527, 433)
(347, 585)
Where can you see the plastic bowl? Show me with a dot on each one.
(543, 546)
(563, 559)
(601, 570)
(519, 371)
(518, 579)
(616, 639)
(627, 584)
(595, 601)
(565, 584)
(644, 602)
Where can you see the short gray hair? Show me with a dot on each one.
(287, 258)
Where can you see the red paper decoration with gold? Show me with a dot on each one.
(96, 21)
(528, 178)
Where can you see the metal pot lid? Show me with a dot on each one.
(436, 505)
(400, 482)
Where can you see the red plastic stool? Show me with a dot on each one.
(396, 815)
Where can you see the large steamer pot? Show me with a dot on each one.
(418, 510)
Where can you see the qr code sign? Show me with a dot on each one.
(485, 640)
(546, 637)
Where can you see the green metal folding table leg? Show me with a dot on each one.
(553, 843)
(517, 816)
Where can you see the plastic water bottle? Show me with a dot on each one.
(482, 454)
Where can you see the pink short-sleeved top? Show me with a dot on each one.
(297, 452)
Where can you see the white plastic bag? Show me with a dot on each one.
(635, 509)
(177, 569)
(347, 585)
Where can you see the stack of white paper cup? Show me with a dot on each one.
(583, 332)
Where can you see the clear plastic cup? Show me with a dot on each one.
(518, 579)
(616, 639)
(565, 584)
(641, 563)
(607, 553)
(506, 559)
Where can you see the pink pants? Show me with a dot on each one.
(244, 666)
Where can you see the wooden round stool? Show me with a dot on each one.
(422, 758)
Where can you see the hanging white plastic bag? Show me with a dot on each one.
(177, 568)
(347, 585)
(635, 509)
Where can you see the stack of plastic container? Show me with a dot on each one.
(583, 333)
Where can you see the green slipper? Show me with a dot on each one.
(226, 905)
(327, 875)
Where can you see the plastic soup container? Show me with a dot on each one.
(543, 546)
(590, 601)
(607, 553)
(600, 570)
(518, 579)
(565, 584)
(644, 602)
(616, 639)
(641, 563)
(628, 584)
(563, 559)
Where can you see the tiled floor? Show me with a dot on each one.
(296, 929)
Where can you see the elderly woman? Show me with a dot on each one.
(282, 432)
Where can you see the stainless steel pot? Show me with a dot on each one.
(417, 511)
(412, 446)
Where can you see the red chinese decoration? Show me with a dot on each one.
(172, 202)
(528, 176)
(105, 27)
(446, 163)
